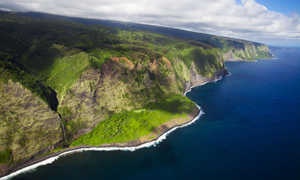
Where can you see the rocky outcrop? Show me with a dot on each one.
(197, 79)
(119, 85)
(229, 56)
(205, 69)
(88, 83)
(220, 73)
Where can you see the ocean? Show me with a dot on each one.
(250, 130)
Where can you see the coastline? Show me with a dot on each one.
(160, 133)
(163, 129)
(239, 60)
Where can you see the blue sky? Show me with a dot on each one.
(283, 6)
(273, 22)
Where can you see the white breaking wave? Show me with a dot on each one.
(220, 77)
(195, 86)
(148, 144)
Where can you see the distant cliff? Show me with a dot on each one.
(31, 128)
(233, 49)
(60, 80)
(243, 50)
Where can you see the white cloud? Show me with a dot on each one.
(247, 19)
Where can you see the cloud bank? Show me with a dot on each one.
(245, 19)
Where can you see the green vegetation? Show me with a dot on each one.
(173, 103)
(48, 55)
(10, 70)
(5, 156)
(66, 71)
(100, 56)
(124, 127)
(151, 137)
(131, 125)
(53, 151)
(121, 99)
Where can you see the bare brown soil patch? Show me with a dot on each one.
(128, 63)
(169, 64)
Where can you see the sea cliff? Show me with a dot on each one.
(70, 83)
(247, 52)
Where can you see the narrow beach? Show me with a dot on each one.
(159, 134)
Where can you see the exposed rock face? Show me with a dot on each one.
(199, 73)
(127, 63)
(86, 95)
(229, 56)
(219, 73)
(197, 79)
(118, 85)
(29, 127)
(247, 51)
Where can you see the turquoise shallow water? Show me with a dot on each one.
(250, 130)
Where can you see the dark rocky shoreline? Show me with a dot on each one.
(162, 129)
(196, 80)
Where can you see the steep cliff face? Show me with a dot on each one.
(197, 79)
(247, 51)
(118, 86)
(123, 85)
(102, 73)
(29, 127)
(205, 67)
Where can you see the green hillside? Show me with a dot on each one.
(236, 49)
(65, 84)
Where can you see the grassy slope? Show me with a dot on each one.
(72, 57)
(252, 51)
(132, 125)
(124, 127)
(66, 71)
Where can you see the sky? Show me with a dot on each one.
(272, 22)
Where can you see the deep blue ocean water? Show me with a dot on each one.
(250, 130)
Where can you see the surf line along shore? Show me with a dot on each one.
(160, 133)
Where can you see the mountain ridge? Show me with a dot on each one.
(111, 85)
(246, 50)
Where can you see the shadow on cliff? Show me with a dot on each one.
(173, 103)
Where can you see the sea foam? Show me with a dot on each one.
(148, 144)
(144, 145)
